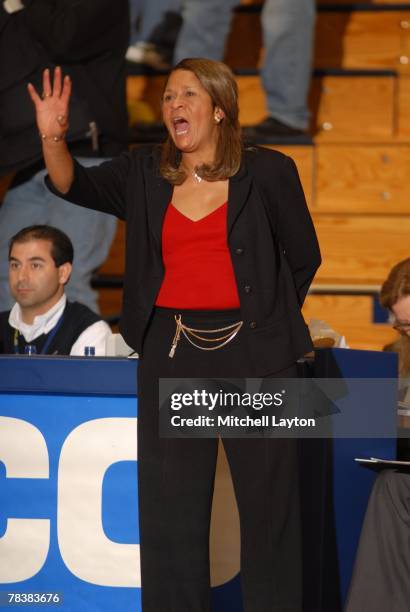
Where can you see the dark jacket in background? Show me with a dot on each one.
(88, 38)
(76, 319)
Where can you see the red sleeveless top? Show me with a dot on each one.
(198, 268)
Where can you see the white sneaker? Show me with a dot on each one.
(147, 54)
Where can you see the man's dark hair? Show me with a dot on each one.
(61, 246)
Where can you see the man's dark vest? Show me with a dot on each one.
(76, 319)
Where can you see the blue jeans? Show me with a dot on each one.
(288, 32)
(205, 26)
(151, 13)
(91, 233)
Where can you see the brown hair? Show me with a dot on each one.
(61, 246)
(397, 284)
(218, 80)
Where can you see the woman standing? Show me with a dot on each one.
(220, 254)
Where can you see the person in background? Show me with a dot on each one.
(152, 43)
(381, 575)
(221, 251)
(395, 296)
(288, 35)
(88, 37)
(40, 263)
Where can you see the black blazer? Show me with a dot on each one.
(88, 38)
(271, 238)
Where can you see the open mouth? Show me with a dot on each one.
(181, 126)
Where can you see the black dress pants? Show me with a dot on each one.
(176, 479)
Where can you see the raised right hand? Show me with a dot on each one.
(52, 106)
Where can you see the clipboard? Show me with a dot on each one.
(375, 463)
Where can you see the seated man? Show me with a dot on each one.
(40, 264)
